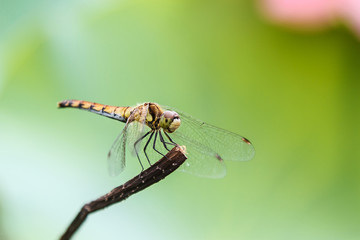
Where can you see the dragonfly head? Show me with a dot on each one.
(170, 121)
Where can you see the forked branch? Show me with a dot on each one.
(153, 174)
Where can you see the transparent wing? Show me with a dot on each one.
(132, 131)
(116, 155)
(208, 145)
(202, 161)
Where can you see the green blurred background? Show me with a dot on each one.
(294, 95)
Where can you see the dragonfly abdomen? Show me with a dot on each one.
(118, 113)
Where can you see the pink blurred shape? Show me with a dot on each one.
(313, 14)
(350, 12)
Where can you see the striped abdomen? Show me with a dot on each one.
(118, 113)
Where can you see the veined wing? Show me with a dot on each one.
(117, 153)
(202, 161)
(208, 145)
(132, 131)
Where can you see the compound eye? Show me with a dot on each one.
(170, 115)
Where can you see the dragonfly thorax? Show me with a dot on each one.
(169, 121)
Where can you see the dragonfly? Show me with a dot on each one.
(162, 128)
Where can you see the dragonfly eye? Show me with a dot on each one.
(170, 121)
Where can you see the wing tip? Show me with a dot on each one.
(246, 140)
(218, 157)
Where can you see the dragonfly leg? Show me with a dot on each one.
(163, 141)
(137, 154)
(155, 143)
(167, 135)
(147, 143)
